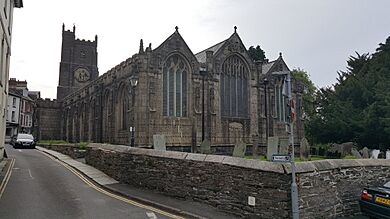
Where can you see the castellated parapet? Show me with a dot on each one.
(48, 114)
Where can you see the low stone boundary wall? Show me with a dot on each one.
(221, 181)
(71, 150)
(327, 188)
(331, 188)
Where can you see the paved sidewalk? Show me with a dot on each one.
(188, 209)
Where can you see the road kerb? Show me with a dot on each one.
(157, 205)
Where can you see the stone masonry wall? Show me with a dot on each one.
(221, 181)
(327, 188)
(332, 188)
(72, 150)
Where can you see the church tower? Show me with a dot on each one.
(78, 65)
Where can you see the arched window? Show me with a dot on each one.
(175, 87)
(234, 88)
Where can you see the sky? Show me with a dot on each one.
(317, 36)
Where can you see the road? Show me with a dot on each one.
(40, 187)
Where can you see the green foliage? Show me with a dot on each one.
(308, 95)
(83, 144)
(257, 54)
(357, 107)
(52, 142)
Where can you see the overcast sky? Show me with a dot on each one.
(315, 35)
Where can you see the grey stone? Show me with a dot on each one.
(239, 150)
(272, 147)
(365, 153)
(388, 155)
(343, 149)
(356, 153)
(304, 149)
(196, 157)
(255, 147)
(375, 153)
(205, 147)
(284, 144)
(159, 142)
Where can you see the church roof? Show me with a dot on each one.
(267, 66)
(201, 56)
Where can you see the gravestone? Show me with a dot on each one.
(375, 153)
(159, 142)
(388, 155)
(239, 149)
(284, 145)
(365, 153)
(205, 147)
(272, 147)
(341, 149)
(304, 149)
(356, 153)
(255, 147)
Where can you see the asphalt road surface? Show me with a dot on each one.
(40, 187)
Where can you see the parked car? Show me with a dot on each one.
(23, 141)
(375, 202)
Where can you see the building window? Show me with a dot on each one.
(6, 8)
(14, 102)
(175, 73)
(13, 116)
(1, 61)
(234, 88)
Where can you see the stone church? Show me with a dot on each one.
(219, 94)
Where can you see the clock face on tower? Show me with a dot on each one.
(82, 75)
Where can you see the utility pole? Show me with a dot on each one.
(294, 187)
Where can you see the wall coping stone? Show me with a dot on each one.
(301, 167)
(196, 157)
(214, 158)
(324, 165)
(227, 160)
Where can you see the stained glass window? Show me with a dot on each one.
(234, 88)
(175, 87)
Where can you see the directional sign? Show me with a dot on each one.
(285, 158)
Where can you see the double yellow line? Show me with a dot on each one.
(6, 177)
(126, 200)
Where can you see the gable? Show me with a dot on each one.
(175, 43)
(277, 65)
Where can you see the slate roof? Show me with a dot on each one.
(267, 66)
(18, 3)
(15, 92)
(201, 56)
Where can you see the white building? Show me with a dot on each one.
(13, 115)
(6, 13)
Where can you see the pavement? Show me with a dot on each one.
(185, 208)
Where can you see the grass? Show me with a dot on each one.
(261, 157)
(52, 142)
(297, 159)
(82, 145)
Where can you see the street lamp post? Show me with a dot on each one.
(203, 73)
(133, 81)
(265, 81)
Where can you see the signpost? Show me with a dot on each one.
(283, 158)
(294, 188)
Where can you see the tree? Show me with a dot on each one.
(357, 107)
(309, 90)
(257, 54)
